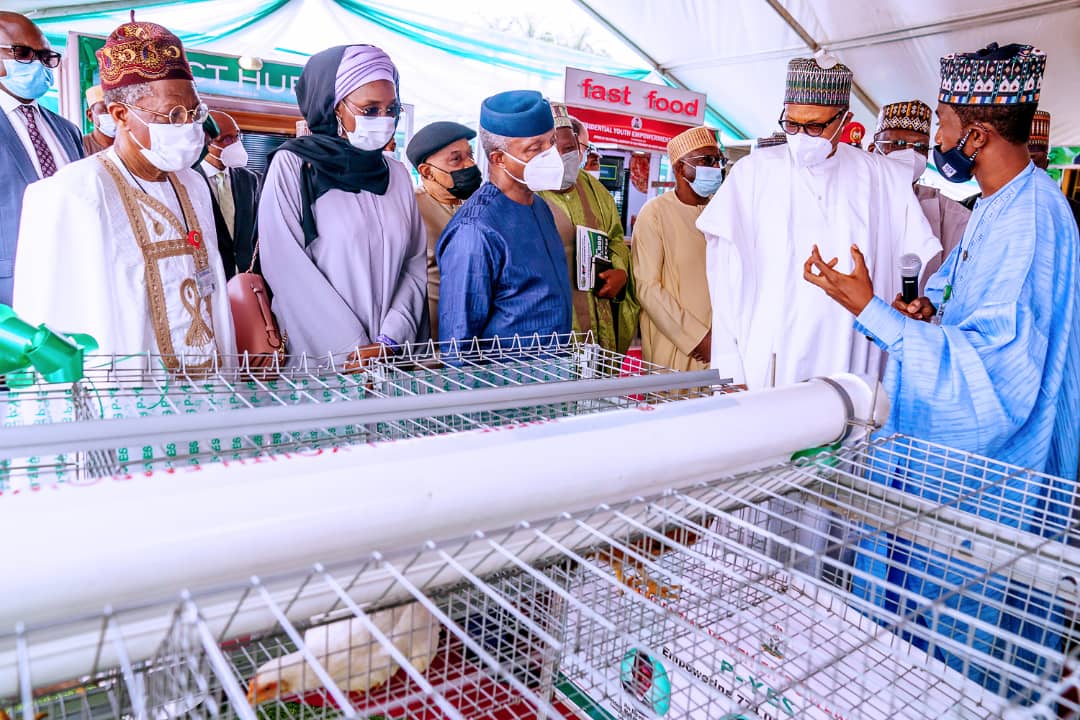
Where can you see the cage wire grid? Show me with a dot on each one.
(127, 387)
(752, 596)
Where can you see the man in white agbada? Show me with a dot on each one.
(121, 245)
(780, 203)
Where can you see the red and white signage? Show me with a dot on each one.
(631, 113)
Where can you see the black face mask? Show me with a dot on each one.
(953, 164)
(466, 181)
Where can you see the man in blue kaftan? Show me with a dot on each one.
(501, 260)
(989, 363)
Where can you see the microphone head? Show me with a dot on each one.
(910, 265)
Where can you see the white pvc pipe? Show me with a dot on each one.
(136, 539)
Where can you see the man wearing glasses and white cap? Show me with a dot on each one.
(34, 142)
(122, 245)
(812, 196)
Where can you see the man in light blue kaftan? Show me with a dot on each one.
(988, 363)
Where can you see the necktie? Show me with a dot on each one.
(223, 191)
(44, 155)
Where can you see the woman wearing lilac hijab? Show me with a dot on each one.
(341, 241)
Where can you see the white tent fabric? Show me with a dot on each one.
(736, 51)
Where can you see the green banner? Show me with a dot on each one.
(215, 74)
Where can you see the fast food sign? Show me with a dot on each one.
(631, 113)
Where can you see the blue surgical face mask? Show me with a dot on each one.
(953, 164)
(707, 180)
(28, 81)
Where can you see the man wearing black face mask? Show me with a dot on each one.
(442, 156)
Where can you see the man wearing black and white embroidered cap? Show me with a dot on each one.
(812, 195)
(903, 133)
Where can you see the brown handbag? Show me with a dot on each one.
(257, 331)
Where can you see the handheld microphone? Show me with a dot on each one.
(910, 267)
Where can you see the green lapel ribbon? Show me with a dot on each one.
(25, 348)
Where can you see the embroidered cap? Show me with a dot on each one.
(699, 138)
(138, 52)
(913, 115)
(820, 80)
(560, 115)
(777, 138)
(1040, 132)
(1009, 75)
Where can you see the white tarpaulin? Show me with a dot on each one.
(736, 51)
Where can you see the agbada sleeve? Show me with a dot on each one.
(973, 384)
(468, 268)
(64, 270)
(674, 321)
(307, 306)
(726, 259)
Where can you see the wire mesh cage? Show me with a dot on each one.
(870, 581)
(142, 387)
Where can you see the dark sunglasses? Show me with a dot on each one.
(813, 129)
(26, 55)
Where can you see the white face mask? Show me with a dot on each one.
(594, 173)
(543, 172)
(233, 156)
(571, 164)
(105, 124)
(916, 161)
(371, 133)
(808, 151)
(172, 147)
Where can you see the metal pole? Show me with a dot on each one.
(58, 438)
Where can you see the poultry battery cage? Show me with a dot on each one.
(152, 402)
(756, 595)
(856, 580)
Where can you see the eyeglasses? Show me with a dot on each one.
(26, 55)
(373, 111)
(813, 129)
(178, 116)
(888, 146)
(705, 160)
(587, 148)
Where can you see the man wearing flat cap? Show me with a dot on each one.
(443, 157)
(669, 257)
(903, 134)
(501, 262)
(813, 196)
(122, 245)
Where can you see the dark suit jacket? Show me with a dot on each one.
(18, 172)
(236, 250)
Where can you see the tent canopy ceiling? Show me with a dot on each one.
(734, 51)
(737, 51)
